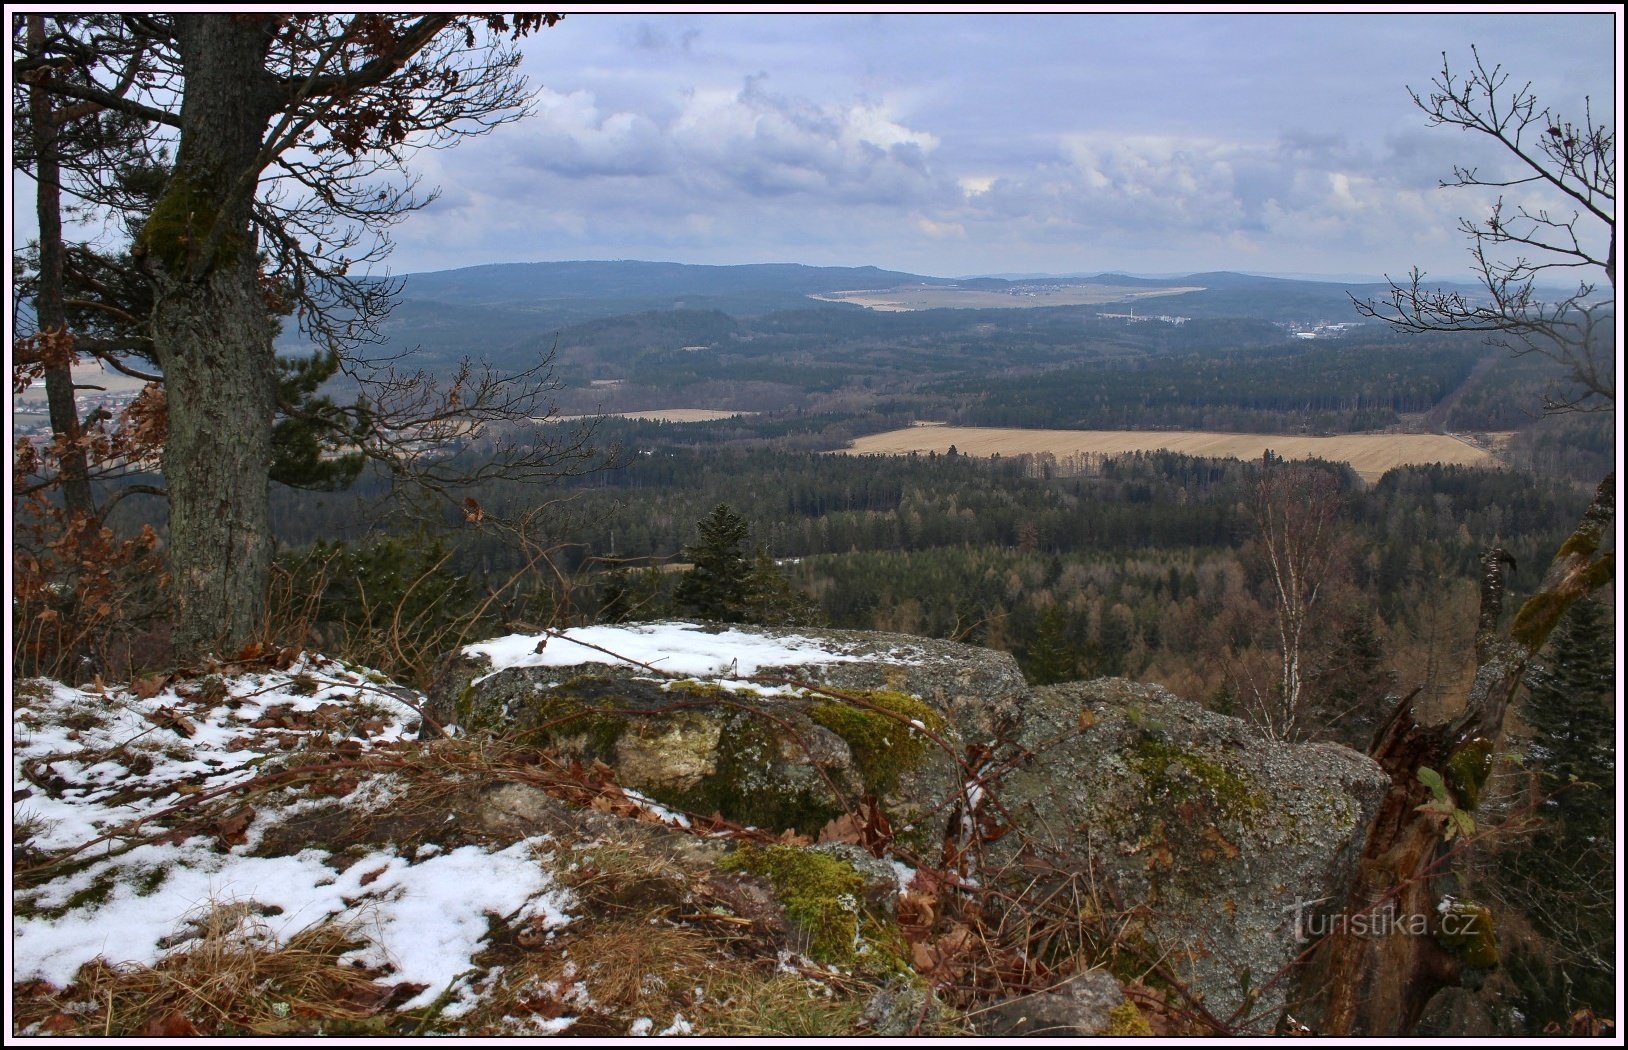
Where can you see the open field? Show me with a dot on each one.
(929, 297)
(1371, 455)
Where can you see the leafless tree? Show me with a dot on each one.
(1296, 508)
(1561, 227)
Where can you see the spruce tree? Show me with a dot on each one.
(772, 600)
(1051, 657)
(1563, 877)
(718, 586)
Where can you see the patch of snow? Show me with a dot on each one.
(132, 758)
(680, 1026)
(666, 815)
(676, 647)
(641, 1027)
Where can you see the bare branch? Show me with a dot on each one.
(1520, 242)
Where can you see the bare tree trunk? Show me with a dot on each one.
(1362, 984)
(72, 470)
(213, 336)
(1296, 510)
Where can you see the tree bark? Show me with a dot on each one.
(72, 469)
(212, 336)
(1362, 984)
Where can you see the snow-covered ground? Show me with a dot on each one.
(673, 647)
(94, 765)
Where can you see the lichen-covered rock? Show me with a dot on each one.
(1083, 1005)
(771, 728)
(1221, 839)
(1213, 841)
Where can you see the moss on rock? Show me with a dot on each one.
(1126, 1019)
(751, 784)
(884, 747)
(1178, 775)
(825, 896)
(1465, 928)
(1467, 772)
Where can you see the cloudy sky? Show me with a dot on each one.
(956, 144)
(953, 144)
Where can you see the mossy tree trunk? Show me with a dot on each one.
(212, 335)
(1362, 984)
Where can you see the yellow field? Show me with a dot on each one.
(1371, 455)
(929, 297)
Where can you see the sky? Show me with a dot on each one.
(952, 144)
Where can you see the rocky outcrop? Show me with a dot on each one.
(1214, 841)
(1219, 840)
(824, 721)
(1090, 1003)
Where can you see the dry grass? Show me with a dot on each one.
(230, 978)
(637, 968)
(1370, 455)
(752, 1002)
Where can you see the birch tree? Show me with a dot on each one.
(1296, 509)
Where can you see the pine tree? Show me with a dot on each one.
(717, 587)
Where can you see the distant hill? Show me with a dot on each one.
(517, 308)
(631, 279)
(445, 314)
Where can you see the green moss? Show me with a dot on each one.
(1537, 617)
(749, 784)
(825, 896)
(182, 220)
(148, 881)
(1465, 928)
(884, 747)
(1126, 1019)
(700, 690)
(1467, 772)
(1179, 775)
(1582, 542)
(556, 718)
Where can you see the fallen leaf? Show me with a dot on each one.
(172, 1025)
(916, 909)
(148, 687)
(58, 1024)
(844, 829)
(168, 718)
(233, 828)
